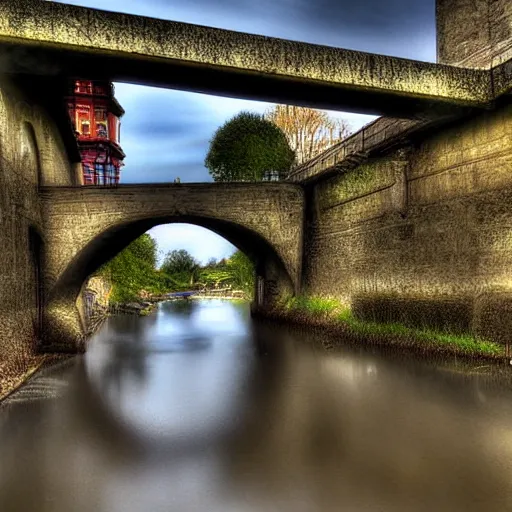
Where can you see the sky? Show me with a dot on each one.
(165, 133)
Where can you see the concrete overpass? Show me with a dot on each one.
(59, 40)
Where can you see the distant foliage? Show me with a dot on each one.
(236, 272)
(182, 266)
(133, 270)
(249, 148)
(145, 249)
(242, 272)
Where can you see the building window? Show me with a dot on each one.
(83, 86)
(88, 174)
(100, 174)
(100, 114)
(83, 119)
(100, 89)
(101, 130)
(111, 174)
(100, 117)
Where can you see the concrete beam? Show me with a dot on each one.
(502, 79)
(47, 38)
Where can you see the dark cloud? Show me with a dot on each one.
(397, 27)
(404, 28)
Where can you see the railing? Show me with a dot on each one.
(221, 292)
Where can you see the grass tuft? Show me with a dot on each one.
(339, 313)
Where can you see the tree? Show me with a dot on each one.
(178, 261)
(145, 249)
(309, 131)
(242, 272)
(180, 265)
(248, 148)
(133, 270)
(211, 263)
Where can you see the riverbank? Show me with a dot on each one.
(339, 328)
(143, 308)
(12, 381)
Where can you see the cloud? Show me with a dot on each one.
(192, 238)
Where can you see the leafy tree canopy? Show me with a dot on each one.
(145, 249)
(133, 270)
(242, 272)
(247, 148)
(179, 261)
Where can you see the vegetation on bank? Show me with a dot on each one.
(338, 314)
(133, 273)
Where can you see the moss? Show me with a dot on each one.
(358, 182)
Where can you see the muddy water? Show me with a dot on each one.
(196, 408)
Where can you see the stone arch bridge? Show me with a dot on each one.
(86, 226)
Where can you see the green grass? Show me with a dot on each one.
(313, 305)
(331, 308)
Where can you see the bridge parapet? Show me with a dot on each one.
(380, 135)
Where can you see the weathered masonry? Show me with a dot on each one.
(414, 218)
(409, 219)
(87, 226)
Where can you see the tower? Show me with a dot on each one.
(474, 33)
(95, 114)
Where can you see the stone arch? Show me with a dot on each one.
(64, 316)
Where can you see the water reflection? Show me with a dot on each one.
(196, 408)
(180, 307)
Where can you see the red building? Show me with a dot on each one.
(95, 114)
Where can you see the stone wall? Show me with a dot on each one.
(31, 153)
(100, 287)
(421, 235)
(474, 33)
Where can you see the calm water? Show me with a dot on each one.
(197, 409)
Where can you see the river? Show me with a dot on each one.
(197, 408)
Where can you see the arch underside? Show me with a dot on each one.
(109, 243)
